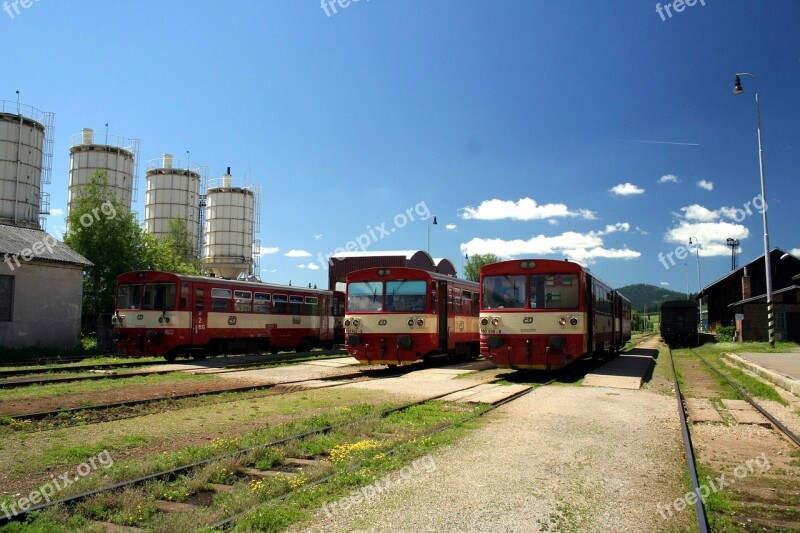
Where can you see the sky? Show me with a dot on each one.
(601, 132)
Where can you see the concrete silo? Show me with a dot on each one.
(26, 140)
(229, 228)
(116, 156)
(173, 191)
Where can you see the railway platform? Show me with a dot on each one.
(782, 369)
(626, 371)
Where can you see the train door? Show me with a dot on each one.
(324, 323)
(441, 312)
(199, 316)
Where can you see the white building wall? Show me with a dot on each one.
(47, 306)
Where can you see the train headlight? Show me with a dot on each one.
(573, 321)
(356, 322)
(347, 323)
(420, 322)
(484, 321)
(562, 321)
(495, 321)
(411, 322)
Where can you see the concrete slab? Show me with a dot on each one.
(701, 410)
(108, 527)
(175, 507)
(744, 413)
(465, 394)
(737, 405)
(624, 372)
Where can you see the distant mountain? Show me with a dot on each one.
(642, 294)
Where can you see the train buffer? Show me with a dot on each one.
(624, 372)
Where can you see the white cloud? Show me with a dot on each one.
(451, 226)
(707, 185)
(524, 209)
(619, 226)
(310, 266)
(57, 212)
(699, 213)
(265, 250)
(297, 253)
(578, 247)
(641, 231)
(664, 284)
(795, 252)
(553, 222)
(626, 189)
(668, 178)
(318, 236)
(712, 236)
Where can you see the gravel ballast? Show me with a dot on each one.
(559, 459)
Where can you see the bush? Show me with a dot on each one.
(726, 333)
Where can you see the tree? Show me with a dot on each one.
(472, 268)
(100, 229)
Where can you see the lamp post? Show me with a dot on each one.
(429, 233)
(699, 287)
(737, 89)
(687, 279)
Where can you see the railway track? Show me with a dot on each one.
(268, 361)
(227, 521)
(689, 450)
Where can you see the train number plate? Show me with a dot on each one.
(492, 331)
(352, 331)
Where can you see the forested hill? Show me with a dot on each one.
(642, 294)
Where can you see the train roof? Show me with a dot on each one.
(432, 275)
(239, 283)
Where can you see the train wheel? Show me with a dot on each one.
(170, 357)
(198, 356)
(274, 351)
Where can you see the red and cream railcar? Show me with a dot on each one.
(399, 315)
(544, 314)
(163, 314)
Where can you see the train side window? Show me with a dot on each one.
(312, 304)
(296, 305)
(476, 304)
(450, 299)
(221, 300)
(199, 299)
(262, 302)
(457, 300)
(280, 303)
(243, 301)
(466, 306)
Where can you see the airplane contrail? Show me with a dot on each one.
(659, 142)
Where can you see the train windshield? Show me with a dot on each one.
(405, 295)
(129, 296)
(554, 291)
(504, 292)
(364, 296)
(159, 296)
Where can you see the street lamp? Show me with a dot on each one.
(687, 279)
(737, 89)
(429, 233)
(699, 287)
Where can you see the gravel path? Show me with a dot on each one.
(559, 459)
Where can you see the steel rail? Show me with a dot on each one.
(786, 431)
(700, 512)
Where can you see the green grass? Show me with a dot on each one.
(100, 385)
(356, 458)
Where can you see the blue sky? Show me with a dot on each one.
(519, 124)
